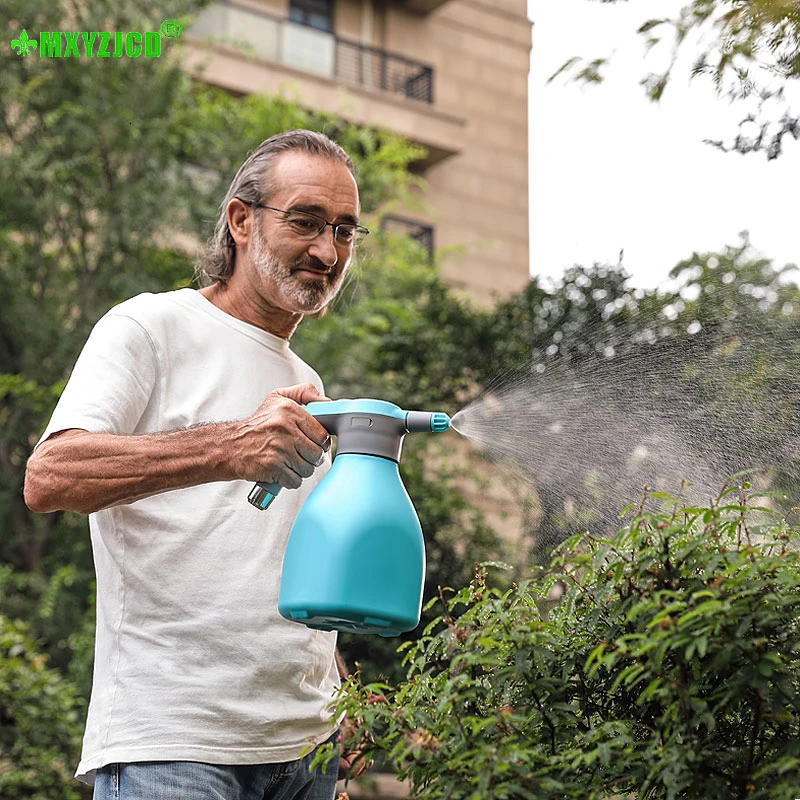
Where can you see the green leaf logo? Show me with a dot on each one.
(24, 46)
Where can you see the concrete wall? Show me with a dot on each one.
(480, 53)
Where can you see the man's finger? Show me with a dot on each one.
(302, 393)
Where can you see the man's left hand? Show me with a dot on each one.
(352, 762)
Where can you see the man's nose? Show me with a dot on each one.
(324, 248)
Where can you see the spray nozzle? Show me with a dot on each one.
(427, 421)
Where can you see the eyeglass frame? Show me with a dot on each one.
(333, 225)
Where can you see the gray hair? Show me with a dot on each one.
(254, 183)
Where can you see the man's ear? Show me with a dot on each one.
(239, 221)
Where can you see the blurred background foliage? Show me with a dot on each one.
(110, 175)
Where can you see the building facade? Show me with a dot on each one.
(451, 75)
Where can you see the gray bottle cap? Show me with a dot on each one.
(366, 433)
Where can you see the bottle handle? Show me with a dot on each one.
(262, 494)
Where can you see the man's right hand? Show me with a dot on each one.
(281, 442)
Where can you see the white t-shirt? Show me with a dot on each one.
(192, 660)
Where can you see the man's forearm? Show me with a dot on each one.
(279, 442)
(82, 471)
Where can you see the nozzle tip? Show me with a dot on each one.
(439, 422)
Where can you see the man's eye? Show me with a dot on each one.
(303, 224)
(345, 232)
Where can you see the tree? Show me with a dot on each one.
(751, 51)
(562, 358)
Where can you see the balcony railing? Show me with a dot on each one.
(377, 69)
(311, 50)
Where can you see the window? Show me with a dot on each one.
(314, 13)
(421, 234)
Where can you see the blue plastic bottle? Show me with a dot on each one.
(355, 558)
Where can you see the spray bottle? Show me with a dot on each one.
(355, 558)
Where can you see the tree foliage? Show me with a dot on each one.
(659, 662)
(40, 722)
(750, 49)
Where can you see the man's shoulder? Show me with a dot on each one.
(154, 304)
(158, 312)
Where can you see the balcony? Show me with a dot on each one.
(313, 51)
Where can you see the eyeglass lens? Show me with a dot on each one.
(309, 225)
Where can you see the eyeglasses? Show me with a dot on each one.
(306, 225)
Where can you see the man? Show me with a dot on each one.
(178, 402)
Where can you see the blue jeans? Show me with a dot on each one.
(187, 780)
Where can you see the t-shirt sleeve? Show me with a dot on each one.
(112, 382)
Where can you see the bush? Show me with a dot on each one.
(659, 663)
(40, 722)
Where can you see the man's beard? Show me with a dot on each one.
(309, 296)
